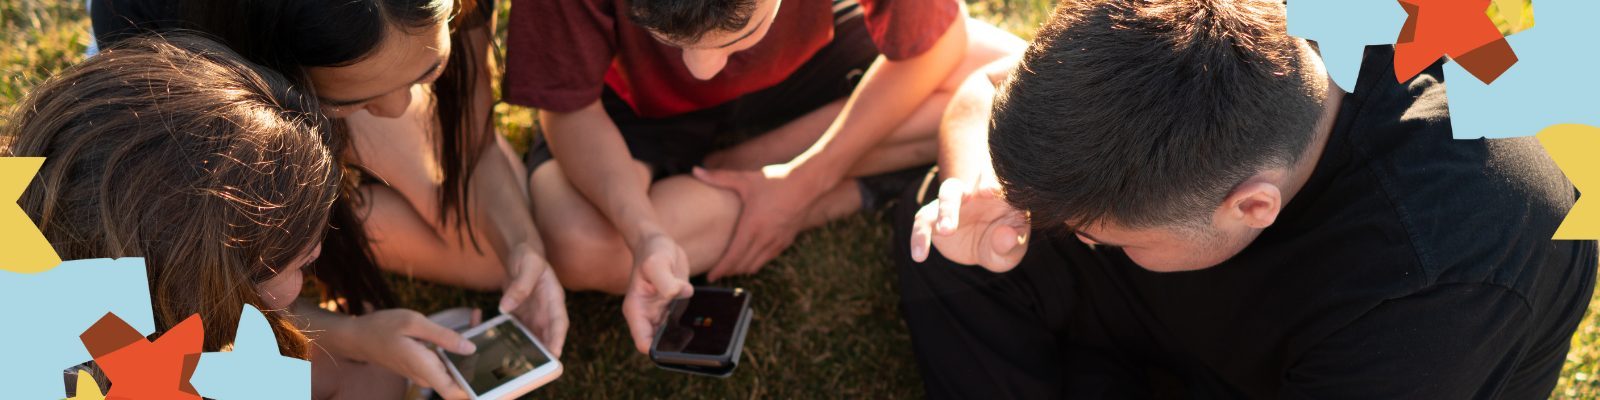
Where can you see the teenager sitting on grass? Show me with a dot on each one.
(1212, 218)
(786, 103)
(175, 149)
(430, 190)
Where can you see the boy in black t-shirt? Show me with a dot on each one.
(1171, 199)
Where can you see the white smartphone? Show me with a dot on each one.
(510, 361)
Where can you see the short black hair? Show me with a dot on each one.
(1147, 113)
(687, 21)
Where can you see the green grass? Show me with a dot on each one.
(827, 321)
(826, 324)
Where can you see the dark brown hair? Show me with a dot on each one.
(686, 21)
(290, 35)
(1148, 113)
(175, 149)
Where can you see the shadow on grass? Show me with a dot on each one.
(826, 324)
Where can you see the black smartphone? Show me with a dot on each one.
(704, 334)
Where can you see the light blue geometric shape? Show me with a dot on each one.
(1553, 82)
(254, 369)
(45, 312)
(1344, 28)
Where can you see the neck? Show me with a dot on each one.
(1301, 172)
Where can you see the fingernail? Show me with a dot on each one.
(505, 305)
(467, 347)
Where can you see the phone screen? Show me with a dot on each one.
(704, 324)
(504, 353)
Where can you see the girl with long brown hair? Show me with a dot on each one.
(215, 171)
(429, 190)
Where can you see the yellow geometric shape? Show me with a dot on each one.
(87, 388)
(1511, 16)
(22, 248)
(1573, 147)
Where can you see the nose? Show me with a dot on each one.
(704, 64)
(391, 105)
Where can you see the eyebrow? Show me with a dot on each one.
(342, 103)
(746, 34)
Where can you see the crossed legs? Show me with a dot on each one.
(589, 254)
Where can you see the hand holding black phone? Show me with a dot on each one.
(703, 334)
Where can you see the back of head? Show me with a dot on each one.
(686, 21)
(1147, 113)
(174, 149)
(287, 35)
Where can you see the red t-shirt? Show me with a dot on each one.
(561, 52)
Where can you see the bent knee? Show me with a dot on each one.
(589, 259)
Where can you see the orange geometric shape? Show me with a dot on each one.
(140, 369)
(1456, 28)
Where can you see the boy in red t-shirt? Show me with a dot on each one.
(776, 108)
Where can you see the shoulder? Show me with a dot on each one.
(1475, 210)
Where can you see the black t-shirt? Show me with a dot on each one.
(1411, 265)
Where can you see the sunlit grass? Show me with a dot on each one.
(827, 320)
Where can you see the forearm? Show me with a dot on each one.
(327, 330)
(964, 131)
(888, 94)
(499, 192)
(597, 162)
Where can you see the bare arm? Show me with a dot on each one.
(392, 338)
(889, 92)
(970, 222)
(500, 185)
(964, 132)
(597, 162)
(402, 218)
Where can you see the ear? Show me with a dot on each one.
(1254, 203)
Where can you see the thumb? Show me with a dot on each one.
(1007, 244)
(718, 178)
(438, 335)
(667, 285)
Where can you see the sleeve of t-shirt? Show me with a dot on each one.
(558, 51)
(1451, 342)
(906, 28)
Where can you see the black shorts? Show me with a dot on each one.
(673, 145)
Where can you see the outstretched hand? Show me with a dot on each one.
(660, 274)
(971, 224)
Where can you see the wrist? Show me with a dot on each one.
(643, 234)
(812, 175)
(337, 336)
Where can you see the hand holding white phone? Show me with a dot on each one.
(509, 361)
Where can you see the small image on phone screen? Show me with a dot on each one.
(504, 353)
(705, 325)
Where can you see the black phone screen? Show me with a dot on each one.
(704, 324)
